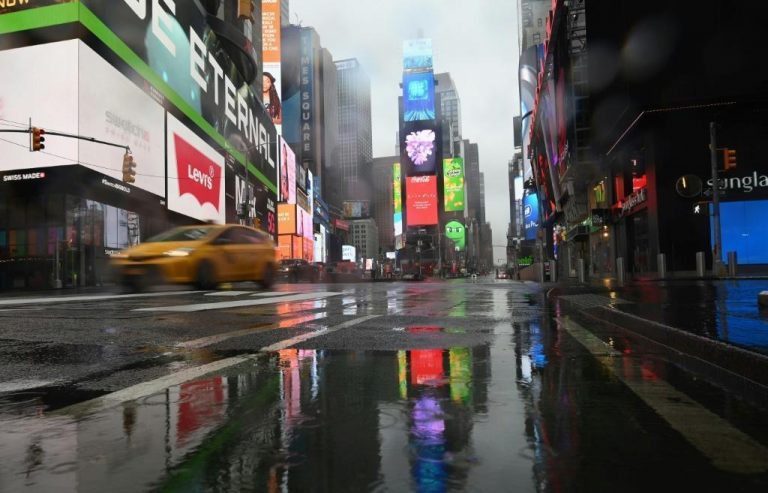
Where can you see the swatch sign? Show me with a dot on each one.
(198, 175)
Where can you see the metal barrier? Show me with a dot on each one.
(700, 264)
(661, 260)
(580, 270)
(553, 271)
(620, 272)
(732, 262)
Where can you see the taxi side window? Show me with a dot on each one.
(228, 237)
(252, 237)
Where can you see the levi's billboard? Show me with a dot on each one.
(195, 175)
(421, 200)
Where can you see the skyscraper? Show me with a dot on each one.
(450, 106)
(383, 193)
(354, 132)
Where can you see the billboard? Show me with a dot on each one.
(303, 223)
(453, 185)
(417, 54)
(113, 109)
(419, 148)
(271, 52)
(356, 209)
(348, 252)
(397, 200)
(286, 219)
(287, 173)
(456, 232)
(530, 215)
(195, 174)
(421, 200)
(418, 96)
(179, 53)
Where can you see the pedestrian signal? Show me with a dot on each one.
(129, 174)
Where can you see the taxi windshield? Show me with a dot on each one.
(182, 234)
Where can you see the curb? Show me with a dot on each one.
(738, 368)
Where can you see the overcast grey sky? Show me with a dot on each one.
(474, 40)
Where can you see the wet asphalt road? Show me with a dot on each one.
(433, 386)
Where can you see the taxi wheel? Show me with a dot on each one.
(268, 277)
(206, 276)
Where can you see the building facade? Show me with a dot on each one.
(634, 181)
(66, 208)
(383, 200)
(365, 238)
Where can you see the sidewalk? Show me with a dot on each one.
(716, 321)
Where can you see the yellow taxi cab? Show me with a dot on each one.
(203, 255)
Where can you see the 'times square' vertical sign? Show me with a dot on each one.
(306, 83)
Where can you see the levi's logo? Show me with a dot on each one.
(198, 175)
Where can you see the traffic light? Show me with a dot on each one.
(37, 139)
(128, 168)
(729, 159)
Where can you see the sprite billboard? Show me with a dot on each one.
(453, 182)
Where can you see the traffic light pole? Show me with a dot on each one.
(71, 136)
(716, 253)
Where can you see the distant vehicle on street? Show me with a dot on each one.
(204, 255)
(296, 270)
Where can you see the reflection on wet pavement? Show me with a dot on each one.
(525, 409)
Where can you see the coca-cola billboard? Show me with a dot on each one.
(421, 200)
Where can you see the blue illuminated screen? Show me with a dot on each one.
(744, 230)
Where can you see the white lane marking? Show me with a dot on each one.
(301, 338)
(214, 339)
(240, 303)
(726, 447)
(275, 293)
(153, 387)
(97, 297)
(228, 293)
(16, 385)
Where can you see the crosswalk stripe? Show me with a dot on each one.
(275, 293)
(304, 337)
(227, 293)
(97, 297)
(237, 304)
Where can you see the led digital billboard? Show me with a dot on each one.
(271, 52)
(418, 96)
(530, 215)
(745, 230)
(453, 184)
(456, 232)
(357, 209)
(421, 200)
(417, 54)
(286, 219)
(287, 173)
(419, 148)
(397, 201)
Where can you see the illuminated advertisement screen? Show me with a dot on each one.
(286, 219)
(421, 200)
(417, 54)
(418, 96)
(348, 252)
(530, 215)
(398, 199)
(287, 173)
(745, 230)
(271, 50)
(356, 209)
(419, 148)
(453, 184)
(181, 49)
(195, 175)
(284, 245)
(456, 232)
(426, 366)
(298, 247)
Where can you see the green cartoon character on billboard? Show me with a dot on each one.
(454, 231)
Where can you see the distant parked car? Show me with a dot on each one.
(296, 270)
